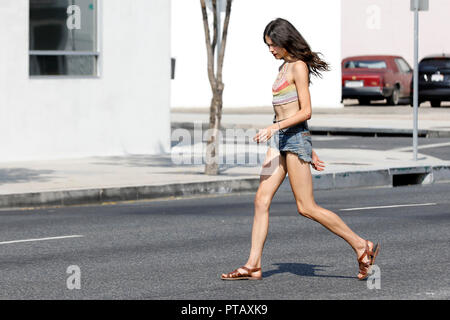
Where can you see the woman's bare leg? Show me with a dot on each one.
(273, 173)
(300, 178)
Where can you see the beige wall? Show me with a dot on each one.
(387, 27)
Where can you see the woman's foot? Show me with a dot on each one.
(243, 273)
(366, 257)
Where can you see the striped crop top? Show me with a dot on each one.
(282, 91)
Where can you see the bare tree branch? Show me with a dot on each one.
(224, 41)
(210, 52)
(215, 30)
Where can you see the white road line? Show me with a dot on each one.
(425, 146)
(392, 206)
(41, 239)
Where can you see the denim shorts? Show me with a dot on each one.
(296, 139)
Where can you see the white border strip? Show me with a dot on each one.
(425, 146)
(41, 239)
(393, 206)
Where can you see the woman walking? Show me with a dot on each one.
(293, 153)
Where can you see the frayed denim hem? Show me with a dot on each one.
(302, 156)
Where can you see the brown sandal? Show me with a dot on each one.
(236, 275)
(364, 267)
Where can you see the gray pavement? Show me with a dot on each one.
(180, 173)
(175, 250)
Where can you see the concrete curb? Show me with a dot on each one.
(387, 132)
(339, 180)
(126, 193)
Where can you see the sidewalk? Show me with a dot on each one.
(137, 177)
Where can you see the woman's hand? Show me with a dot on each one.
(316, 163)
(265, 134)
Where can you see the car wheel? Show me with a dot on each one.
(364, 101)
(435, 103)
(394, 98)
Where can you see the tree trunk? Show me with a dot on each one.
(217, 86)
(213, 143)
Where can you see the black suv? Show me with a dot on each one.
(434, 79)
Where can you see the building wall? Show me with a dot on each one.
(126, 110)
(249, 69)
(387, 27)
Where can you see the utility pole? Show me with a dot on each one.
(416, 6)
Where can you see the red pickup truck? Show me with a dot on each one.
(378, 77)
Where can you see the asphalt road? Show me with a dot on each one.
(435, 147)
(177, 249)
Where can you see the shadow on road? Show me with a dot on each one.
(23, 175)
(301, 269)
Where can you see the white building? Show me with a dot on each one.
(249, 69)
(336, 28)
(386, 27)
(84, 78)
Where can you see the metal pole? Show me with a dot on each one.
(416, 80)
(72, 34)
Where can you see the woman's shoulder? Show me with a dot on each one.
(300, 72)
(300, 66)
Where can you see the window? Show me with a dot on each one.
(403, 65)
(371, 64)
(63, 38)
(434, 64)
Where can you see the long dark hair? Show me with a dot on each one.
(283, 34)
